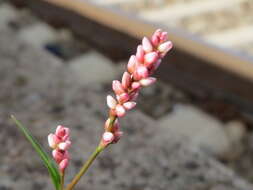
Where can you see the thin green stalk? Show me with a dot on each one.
(85, 167)
(62, 181)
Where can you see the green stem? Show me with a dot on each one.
(62, 181)
(85, 167)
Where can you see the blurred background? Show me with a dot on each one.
(191, 130)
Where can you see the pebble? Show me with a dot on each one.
(201, 129)
(38, 34)
(92, 68)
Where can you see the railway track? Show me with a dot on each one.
(218, 79)
(226, 24)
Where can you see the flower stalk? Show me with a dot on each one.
(85, 167)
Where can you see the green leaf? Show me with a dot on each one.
(47, 160)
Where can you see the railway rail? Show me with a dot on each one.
(219, 80)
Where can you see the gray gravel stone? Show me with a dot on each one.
(38, 90)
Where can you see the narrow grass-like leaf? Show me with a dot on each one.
(48, 162)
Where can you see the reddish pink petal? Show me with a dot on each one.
(117, 87)
(123, 97)
(63, 165)
(136, 85)
(64, 145)
(120, 110)
(140, 53)
(146, 44)
(108, 137)
(131, 64)
(126, 80)
(58, 156)
(111, 102)
(150, 58)
(165, 47)
(141, 72)
(147, 81)
(129, 105)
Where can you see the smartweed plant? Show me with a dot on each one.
(140, 67)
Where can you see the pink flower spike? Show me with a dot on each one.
(140, 53)
(120, 110)
(111, 102)
(108, 137)
(150, 58)
(117, 87)
(123, 97)
(64, 145)
(63, 165)
(165, 47)
(131, 64)
(147, 81)
(129, 105)
(126, 80)
(53, 140)
(147, 46)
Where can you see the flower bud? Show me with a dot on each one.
(147, 46)
(117, 136)
(140, 53)
(108, 137)
(64, 145)
(117, 87)
(123, 97)
(107, 123)
(131, 64)
(120, 110)
(63, 165)
(147, 81)
(111, 102)
(62, 132)
(136, 85)
(126, 80)
(66, 155)
(129, 105)
(165, 47)
(150, 58)
(116, 125)
(134, 96)
(163, 37)
(155, 40)
(57, 155)
(53, 140)
(141, 72)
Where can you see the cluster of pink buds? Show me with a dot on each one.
(60, 143)
(139, 69)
